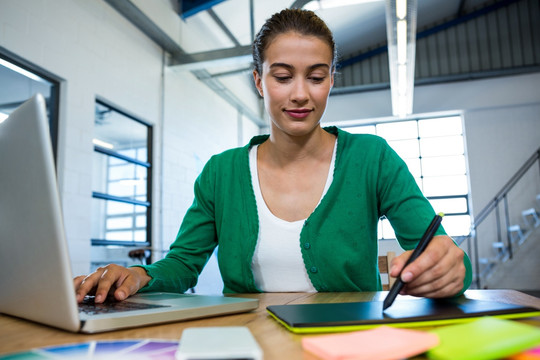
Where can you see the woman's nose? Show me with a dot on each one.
(300, 93)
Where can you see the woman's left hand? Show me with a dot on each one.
(437, 273)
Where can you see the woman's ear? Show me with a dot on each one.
(258, 82)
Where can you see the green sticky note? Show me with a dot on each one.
(484, 339)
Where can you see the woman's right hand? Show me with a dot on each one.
(112, 279)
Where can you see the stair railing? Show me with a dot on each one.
(500, 198)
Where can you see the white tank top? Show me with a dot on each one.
(277, 263)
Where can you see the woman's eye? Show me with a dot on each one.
(282, 78)
(317, 79)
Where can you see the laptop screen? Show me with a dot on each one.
(34, 260)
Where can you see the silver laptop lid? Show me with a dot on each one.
(35, 274)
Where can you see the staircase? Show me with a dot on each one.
(516, 266)
(514, 259)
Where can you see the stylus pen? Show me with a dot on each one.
(428, 235)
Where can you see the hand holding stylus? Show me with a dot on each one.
(437, 273)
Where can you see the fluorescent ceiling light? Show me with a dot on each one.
(402, 41)
(402, 80)
(401, 9)
(20, 70)
(327, 4)
(103, 144)
(401, 33)
(3, 117)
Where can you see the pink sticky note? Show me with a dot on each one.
(382, 343)
(532, 354)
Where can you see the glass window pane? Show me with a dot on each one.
(119, 235)
(139, 235)
(118, 189)
(119, 132)
(140, 221)
(445, 185)
(119, 223)
(123, 179)
(113, 220)
(115, 208)
(122, 142)
(121, 171)
(398, 130)
(443, 165)
(440, 127)
(131, 153)
(367, 129)
(405, 148)
(23, 84)
(115, 161)
(451, 205)
(457, 225)
(142, 154)
(445, 145)
(140, 172)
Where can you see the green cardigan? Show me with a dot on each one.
(338, 240)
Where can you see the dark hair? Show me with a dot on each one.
(304, 22)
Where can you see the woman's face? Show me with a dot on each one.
(295, 82)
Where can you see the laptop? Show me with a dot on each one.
(35, 275)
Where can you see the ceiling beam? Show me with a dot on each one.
(214, 84)
(238, 54)
(147, 26)
(178, 55)
(222, 26)
(298, 4)
(241, 54)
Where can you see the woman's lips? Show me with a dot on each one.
(298, 113)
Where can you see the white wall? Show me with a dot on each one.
(194, 131)
(99, 53)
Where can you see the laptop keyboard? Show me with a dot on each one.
(88, 306)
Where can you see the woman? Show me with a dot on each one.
(297, 210)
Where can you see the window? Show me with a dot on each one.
(434, 151)
(20, 81)
(121, 184)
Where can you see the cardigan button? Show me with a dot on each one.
(307, 246)
(313, 269)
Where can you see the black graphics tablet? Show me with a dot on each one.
(334, 317)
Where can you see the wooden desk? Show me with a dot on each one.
(276, 342)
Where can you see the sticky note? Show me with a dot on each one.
(532, 354)
(484, 339)
(382, 343)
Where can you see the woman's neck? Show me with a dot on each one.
(282, 149)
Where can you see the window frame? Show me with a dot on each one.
(147, 164)
(53, 103)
